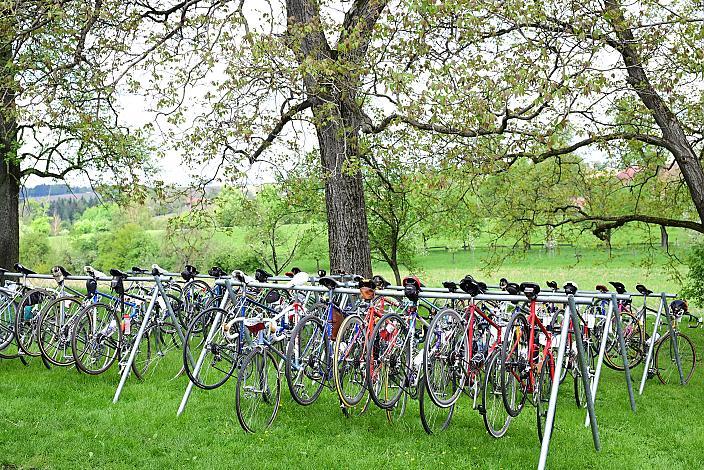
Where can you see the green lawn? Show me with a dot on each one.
(59, 418)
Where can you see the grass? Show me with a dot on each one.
(59, 418)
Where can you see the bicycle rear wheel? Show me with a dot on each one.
(258, 392)
(434, 418)
(27, 319)
(542, 395)
(514, 364)
(665, 364)
(307, 360)
(446, 358)
(493, 411)
(220, 354)
(96, 338)
(54, 330)
(388, 360)
(348, 361)
(634, 336)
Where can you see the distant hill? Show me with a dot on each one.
(52, 191)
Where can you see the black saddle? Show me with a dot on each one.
(510, 287)
(138, 270)
(368, 283)
(216, 271)
(380, 282)
(62, 270)
(530, 290)
(552, 285)
(295, 270)
(472, 287)
(156, 271)
(117, 283)
(450, 286)
(261, 276)
(328, 283)
(189, 272)
(620, 288)
(23, 270)
(411, 288)
(321, 273)
(643, 290)
(678, 307)
(570, 289)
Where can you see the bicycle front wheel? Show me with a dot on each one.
(446, 358)
(514, 364)
(496, 418)
(54, 330)
(96, 338)
(388, 361)
(665, 363)
(258, 392)
(434, 418)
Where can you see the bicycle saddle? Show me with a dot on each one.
(450, 286)
(643, 290)
(321, 273)
(157, 270)
(138, 270)
(242, 277)
(328, 283)
(189, 272)
(552, 285)
(602, 288)
(570, 289)
(59, 274)
(261, 275)
(23, 270)
(678, 307)
(91, 271)
(620, 288)
(411, 287)
(117, 273)
(368, 283)
(529, 289)
(216, 271)
(510, 287)
(472, 287)
(298, 279)
(367, 293)
(380, 282)
(3, 270)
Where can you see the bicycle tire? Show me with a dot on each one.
(664, 363)
(316, 368)
(261, 359)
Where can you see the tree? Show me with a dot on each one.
(274, 233)
(60, 69)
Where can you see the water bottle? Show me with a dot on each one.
(126, 328)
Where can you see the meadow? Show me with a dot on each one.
(59, 418)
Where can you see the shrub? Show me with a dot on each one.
(693, 289)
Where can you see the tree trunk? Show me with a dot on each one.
(348, 235)
(9, 168)
(664, 238)
(338, 125)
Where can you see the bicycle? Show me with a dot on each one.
(527, 361)
(664, 362)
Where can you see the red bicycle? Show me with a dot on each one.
(527, 362)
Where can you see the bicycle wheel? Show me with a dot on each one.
(434, 418)
(665, 364)
(634, 336)
(96, 338)
(27, 318)
(514, 364)
(542, 395)
(555, 328)
(54, 330)
(307, 360)
(446, 358)
(205, 337)
(388, 360)
(8, 312)
(258, 392)
(580, 393)
(196, 295)
(348, 361)
(493, 411)
(143, 356)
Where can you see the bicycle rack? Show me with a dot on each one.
(649, 357)
(158, 292)
(552, 405)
